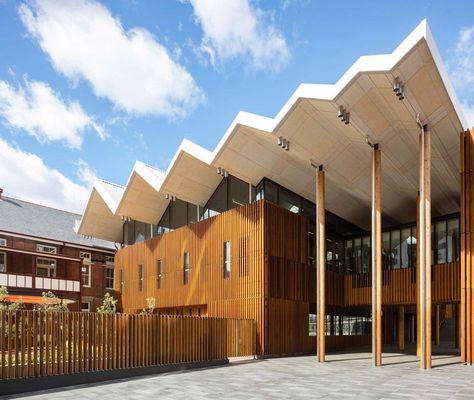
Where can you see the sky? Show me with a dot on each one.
(88, 87)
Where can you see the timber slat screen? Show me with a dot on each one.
(39, 343)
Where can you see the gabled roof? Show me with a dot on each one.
(248, 149)
(100, 219)
(30, 219)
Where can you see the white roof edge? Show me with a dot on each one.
(329, 92)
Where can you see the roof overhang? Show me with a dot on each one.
(309, 121)
(100, 219)
(248, 149)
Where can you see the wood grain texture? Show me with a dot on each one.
(39, 343)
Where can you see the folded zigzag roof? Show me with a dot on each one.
(248, 149)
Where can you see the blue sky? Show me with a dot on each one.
(87, 88)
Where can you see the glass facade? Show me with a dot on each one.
(231, 193)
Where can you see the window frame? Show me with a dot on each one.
(5, 262)
(86, 266)
(227, 259)
(3, 242)
(48, 268)
(159, 273)
(88, 302)
(140, 277)
(185, 267)
(41, 248)
(108, 268)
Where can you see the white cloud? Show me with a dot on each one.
(42, 113)
(461, 62)
(26, 176)
(85, 174)
(236, 28)
(468, 112)
(461, 68)
(129, 68)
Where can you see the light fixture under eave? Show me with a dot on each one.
(399, 88)
(343, 115)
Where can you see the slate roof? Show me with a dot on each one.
(27, 218)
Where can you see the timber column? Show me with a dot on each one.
(376, 258)
(425, 248)
(321, 264)
(466, 226)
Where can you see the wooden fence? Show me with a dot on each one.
(39, 343)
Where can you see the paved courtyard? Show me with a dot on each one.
(343, 376)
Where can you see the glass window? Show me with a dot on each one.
(312, 248)
(259, 193)
(186, 268)
(130, 228)
(164, 224)
(218, 201)
(289, 200)
(192, 213)
(386, 250)
(366, 254)
(413, 246)
(226, 259)
(358, 255)
(313, 322)
(309, 211)
(395, 249)
(238, 192)
(271, 192)
(3, 262)
(140, 231)
(158, 274)
(349, 257)
(140, 277)
(85, 306)
(329, 254)
(109, 277)
(46, 267)
(441, 243)
(178, 214)
(405, 248)
(453, 240)
(340, 256)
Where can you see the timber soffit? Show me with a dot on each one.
(248, 148)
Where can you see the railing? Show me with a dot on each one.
(39, 343)
(39, 282)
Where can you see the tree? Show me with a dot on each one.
(5, 304)
(51, 302)
(109, 305)
(150, 301)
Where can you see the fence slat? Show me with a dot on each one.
(42, 343)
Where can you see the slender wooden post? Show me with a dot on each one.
(401, 328)
(376, 258)
(425, 248)
(321, 264)
(418, 276)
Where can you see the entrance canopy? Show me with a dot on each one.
(310, 122)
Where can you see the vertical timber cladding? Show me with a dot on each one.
(466, 227)
(238, 296)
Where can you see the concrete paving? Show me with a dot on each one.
(343, 376)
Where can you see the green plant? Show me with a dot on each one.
(150, 301)
(109, 305)
(51, 302)
(5, 304)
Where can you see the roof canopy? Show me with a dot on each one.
(309, 120)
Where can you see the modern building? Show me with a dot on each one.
(41, 252)
(344, 220)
